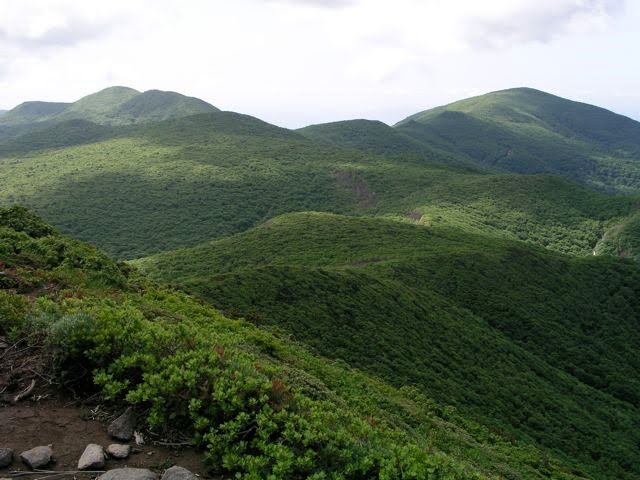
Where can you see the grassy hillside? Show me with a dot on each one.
(258, 404)
(137, 190)
(111, 106)
(527, 131)
(539, 346)
(375, 137)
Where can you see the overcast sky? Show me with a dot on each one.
(298, 62)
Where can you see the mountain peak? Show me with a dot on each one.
(116, 105)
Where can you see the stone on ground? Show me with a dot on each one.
(37, 457)
(178, 473)
(128, 474)
(92, 458)
(6, 457)
(119, 451)
(122, 427)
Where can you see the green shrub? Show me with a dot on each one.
(13, 311)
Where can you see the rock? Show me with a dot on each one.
(92, 458)
(128, 474)
(122, 427)
(37, 457)
(178, 473)
(139, 438)
(119, 451)
(6, 457)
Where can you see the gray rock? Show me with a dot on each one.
(6, 457)
(92, 458)
(178, 473)
(37, 457)
(122, 427)
(128, 474)
(119, 451)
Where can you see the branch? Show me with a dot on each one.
(25, 393)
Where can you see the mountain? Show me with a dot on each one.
(375, 137)
(139, 189)
(256, 404)
(528, 131)
(537, 345)
(415, 306)
(111, 106)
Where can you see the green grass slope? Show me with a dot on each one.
(536, 345)
(258, 404)
(528, 131)
(140, 189)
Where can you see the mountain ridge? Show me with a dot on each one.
(110, 106)
(524, 130)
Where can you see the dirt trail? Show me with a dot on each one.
(30, 424)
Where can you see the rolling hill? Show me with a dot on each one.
(537, 345)
(520, 130)
(258, 404)
(528, 131)
(138, 189)
(111, 106)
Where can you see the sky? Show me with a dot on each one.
(300, 62)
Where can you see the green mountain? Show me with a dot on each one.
(527, 131)
(460, 319)
(139, 189)
(257, 404)
(111, 106)
(378, 138)
(539, 346)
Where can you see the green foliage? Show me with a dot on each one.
(621, 240)
(527, 131)
(27, 242)
(111, 106)
(259, 405)
(143, 189)
(530, 342)
(13, 310)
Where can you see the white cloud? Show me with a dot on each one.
(299, 61)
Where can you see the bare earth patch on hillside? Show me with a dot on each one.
(46, 416)
(348, 179)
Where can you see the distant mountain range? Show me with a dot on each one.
(520, 130)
